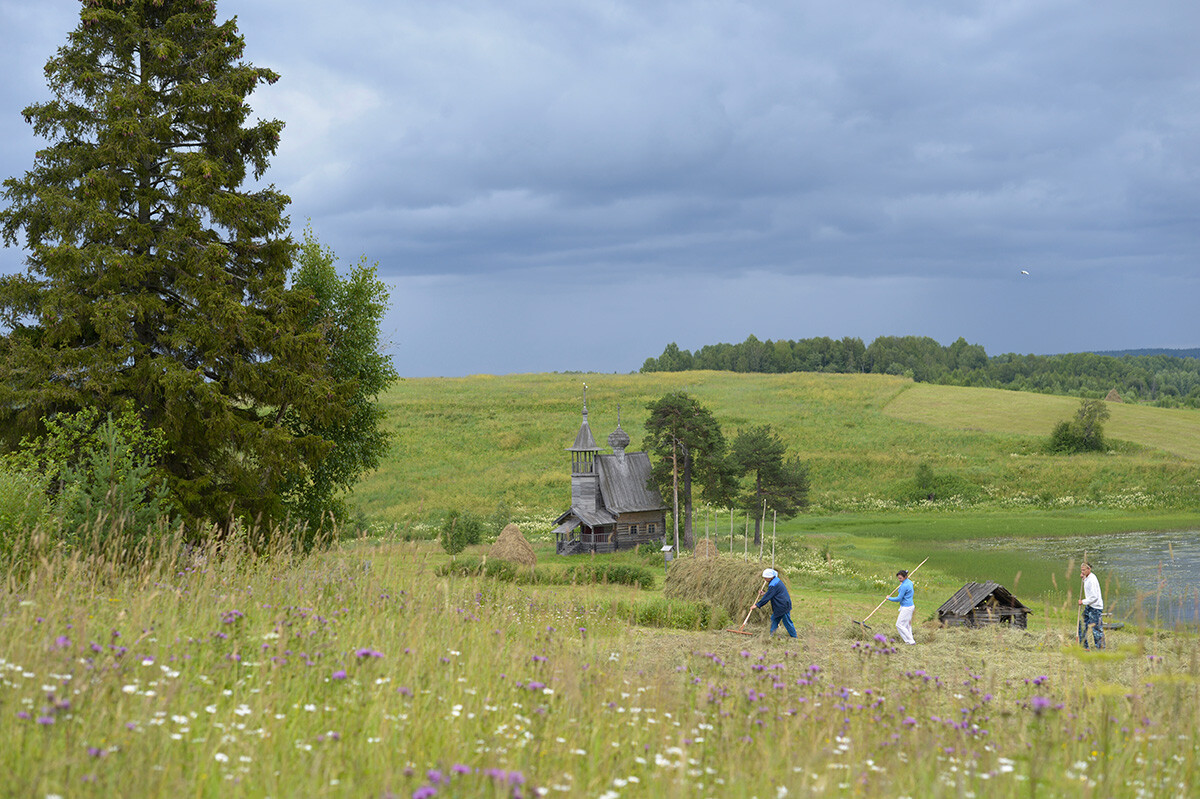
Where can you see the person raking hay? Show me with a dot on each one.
(781, 602)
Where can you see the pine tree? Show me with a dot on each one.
(688, 446)
(156, 277)
(780, 482)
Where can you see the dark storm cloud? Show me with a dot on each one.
(876, 167)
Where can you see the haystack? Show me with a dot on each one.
(512, 546)
(706, 548)
(1113, 396)
(722, 581)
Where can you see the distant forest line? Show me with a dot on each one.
(1167, 378)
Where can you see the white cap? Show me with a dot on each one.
(769, 573)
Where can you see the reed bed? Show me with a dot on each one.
(362, 672)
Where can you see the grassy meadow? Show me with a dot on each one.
(368, 671)
(480, 442)
(382, 668)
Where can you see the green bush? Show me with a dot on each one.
(100, 474)
(504, 570)
(679, 615)
(614, 573)
(651, 554)
(23, 507)
(580, 574)
(1084, 433)
(930, 486)
(459, 531)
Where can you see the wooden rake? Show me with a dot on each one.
(742, 630)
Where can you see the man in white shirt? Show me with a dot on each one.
(1093, 606)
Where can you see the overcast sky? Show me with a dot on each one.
(563, 185)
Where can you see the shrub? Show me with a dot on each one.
(928, 486)
(99, 473)
(459, 531)
(615, 573)
(112, 488)
(475, 566)
(581, 574)
(651, 554)
(1084, 433)
(23, 507)
(680, 615)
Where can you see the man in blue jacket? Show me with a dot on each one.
(781, 602)
(904, 595)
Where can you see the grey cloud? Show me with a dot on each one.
(909, 142)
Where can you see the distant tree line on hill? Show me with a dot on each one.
(1160, 379)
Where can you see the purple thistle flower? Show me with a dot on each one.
(62, 642)
(459, 768)
(1039, 704)
(424, 792)
(340, 674)
(367, 653)
(45, 720)
(21, 714)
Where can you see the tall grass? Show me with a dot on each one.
(362, 672)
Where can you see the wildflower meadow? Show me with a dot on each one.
(361, 671)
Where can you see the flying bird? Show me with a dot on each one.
(1024, 272)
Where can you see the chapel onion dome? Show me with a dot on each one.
(618, 439)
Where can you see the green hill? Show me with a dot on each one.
(482, 441)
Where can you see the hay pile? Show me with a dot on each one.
(722, 581)
(513, 547)
(1113, 396)
(706, 548)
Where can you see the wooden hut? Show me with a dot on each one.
(613, 505)
(977, 604)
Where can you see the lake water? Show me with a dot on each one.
(1151, 575)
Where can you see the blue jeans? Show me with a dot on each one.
(786, 618)
(1091, 616)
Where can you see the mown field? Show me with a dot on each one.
(479, 443)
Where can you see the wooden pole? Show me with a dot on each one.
(746, 538)
(762, 529)
(675, 490)
(774, 516)
(731, 534)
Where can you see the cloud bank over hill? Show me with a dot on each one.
(560, 187)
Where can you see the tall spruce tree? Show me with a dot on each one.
(156, 277)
